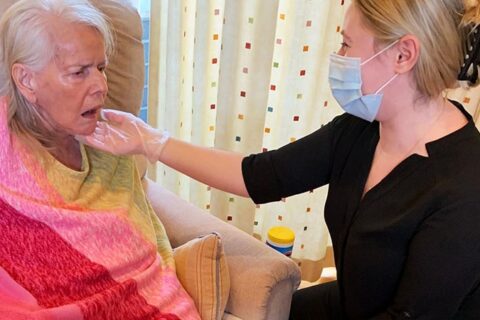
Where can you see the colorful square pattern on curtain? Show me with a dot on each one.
(250, 76)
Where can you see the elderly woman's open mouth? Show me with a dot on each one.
(92, 113)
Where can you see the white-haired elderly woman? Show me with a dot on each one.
(78, 239)
(402, 164)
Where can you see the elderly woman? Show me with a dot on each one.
(402, 164)
(78, 239)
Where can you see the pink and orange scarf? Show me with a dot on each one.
(81, 244)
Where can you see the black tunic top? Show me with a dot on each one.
(410, 249)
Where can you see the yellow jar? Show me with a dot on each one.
(281, 239)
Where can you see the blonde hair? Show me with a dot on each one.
(26, 38)
(442, 27)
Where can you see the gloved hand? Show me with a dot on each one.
(122, 133)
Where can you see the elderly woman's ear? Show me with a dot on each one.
(24, 79)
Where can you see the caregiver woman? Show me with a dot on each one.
(402, 164)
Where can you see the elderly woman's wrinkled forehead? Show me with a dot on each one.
(67, 39)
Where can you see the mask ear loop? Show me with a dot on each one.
(377, 54)
(380, 52)
(386, 83)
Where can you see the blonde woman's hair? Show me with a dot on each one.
(442, 27)
(26, 37)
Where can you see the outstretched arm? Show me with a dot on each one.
(217, 168)
(122, 133)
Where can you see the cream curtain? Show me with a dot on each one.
(245, 76)
(470, 98)
(248, 76)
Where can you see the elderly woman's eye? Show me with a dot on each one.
(79, 72)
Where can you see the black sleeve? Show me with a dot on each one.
(442, 268)
(295, 168)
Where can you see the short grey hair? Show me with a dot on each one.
(26, 37)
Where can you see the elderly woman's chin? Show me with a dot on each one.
(85, 124)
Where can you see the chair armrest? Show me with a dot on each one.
(262, 280)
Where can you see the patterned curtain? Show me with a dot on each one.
(248, 76)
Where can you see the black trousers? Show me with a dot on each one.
(317, 302)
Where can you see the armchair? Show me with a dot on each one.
(262, 280)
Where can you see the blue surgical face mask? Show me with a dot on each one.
(345, 79)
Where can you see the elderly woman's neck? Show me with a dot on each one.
(67, 151)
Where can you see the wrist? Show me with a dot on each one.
(165, 135)
(154, 147)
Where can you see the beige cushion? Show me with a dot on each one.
(202, 270)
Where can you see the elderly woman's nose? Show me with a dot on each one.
(99, 81)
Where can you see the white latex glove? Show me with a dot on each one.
(122, 133)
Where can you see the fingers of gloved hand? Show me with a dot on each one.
(115, 116)
(120, 118)
(115, 135)
(127, 123)
(101, 129)
(111, 133)
(122, 133)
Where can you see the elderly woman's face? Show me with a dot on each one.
(72, 88)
